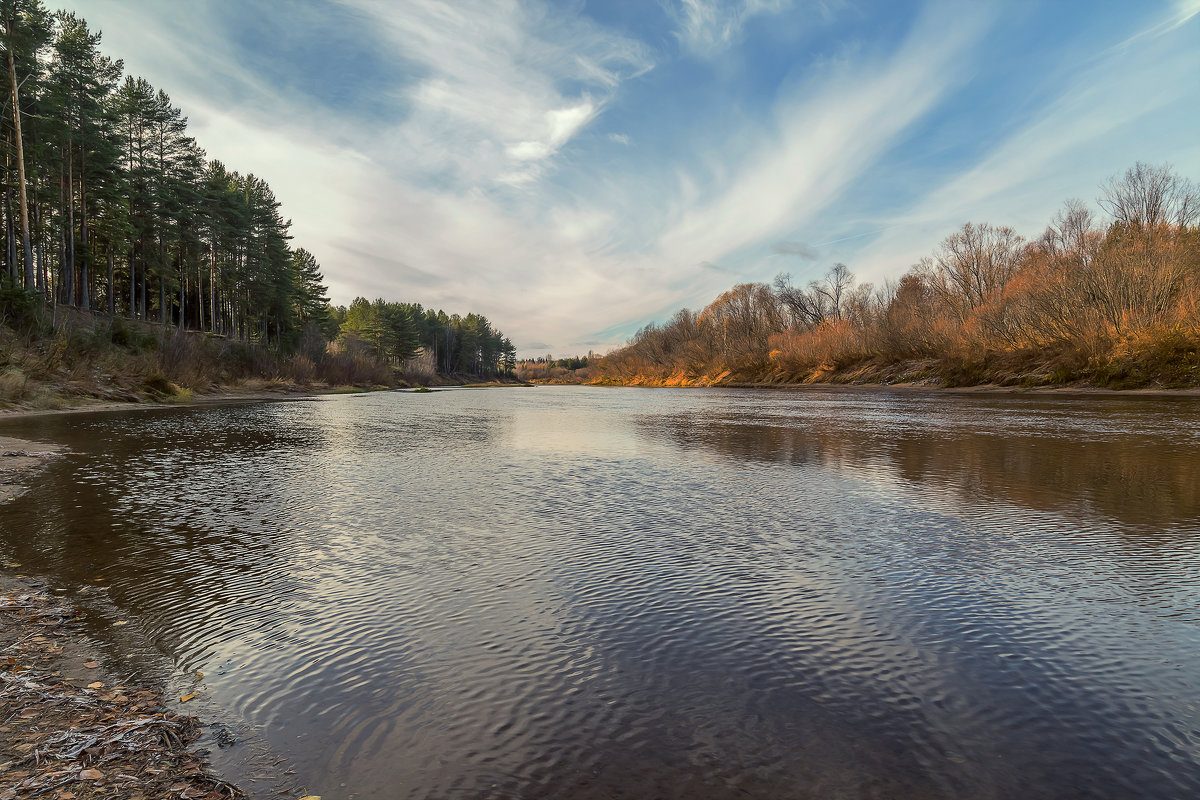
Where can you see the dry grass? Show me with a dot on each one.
(87, 357)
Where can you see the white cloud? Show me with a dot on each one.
(504, 84)
(561, 125)
(707, 27)
(827, 136)
(1094, 128)
(1184, 11)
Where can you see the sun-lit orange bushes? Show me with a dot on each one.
(1113, 304)
(830, 346)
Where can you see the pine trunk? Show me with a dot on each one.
(132, 284)
(62, 290)
(69, 267)
(182, 285)
(10, 238)
(143, 311)
(85, 261)
(212, 286)
(12, 76)
(43, 282)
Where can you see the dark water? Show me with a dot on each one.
(599, 593)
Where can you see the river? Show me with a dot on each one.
(595, 593)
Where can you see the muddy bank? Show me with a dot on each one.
(19, 461)
(250, 392)
(217, 396)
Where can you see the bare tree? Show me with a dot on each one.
(742, 320)
(833, 289)
(822, 301)
(802, 309)
(1072, 235)
(1148, 196)
(971, 264)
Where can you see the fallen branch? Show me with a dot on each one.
(81, 740)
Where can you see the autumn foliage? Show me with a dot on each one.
(1113, 301)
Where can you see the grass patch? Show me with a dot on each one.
(156, 383)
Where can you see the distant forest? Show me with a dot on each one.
(548, 369)
(1111, 299)
(110, 207)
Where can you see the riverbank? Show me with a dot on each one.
(249, 392)
(91, 361)
(252, 392)
(982, 389)
(71, 726)
(914, 374)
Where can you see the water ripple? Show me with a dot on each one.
(586, 593)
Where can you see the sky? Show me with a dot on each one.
(575, 170)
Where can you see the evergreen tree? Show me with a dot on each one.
(25, 29)
(109, 204)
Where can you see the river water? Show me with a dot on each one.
(597, 593)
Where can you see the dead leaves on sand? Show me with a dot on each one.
(68, 740)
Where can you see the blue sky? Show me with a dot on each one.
(573, 170)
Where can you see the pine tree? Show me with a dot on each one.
(25, 30)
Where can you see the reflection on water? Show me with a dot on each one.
(599, 593)
(1107, 454)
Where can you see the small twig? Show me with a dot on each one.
(126, 727)
(51, 788)
(19, 642)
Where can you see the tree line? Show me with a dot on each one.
(110, 206)
(398, 332)
(1111, 297)
(548, 369)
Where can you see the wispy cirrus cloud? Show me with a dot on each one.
(500, 86)
(826, 134)
(1102, 120)
(707, 27)
(573, 171)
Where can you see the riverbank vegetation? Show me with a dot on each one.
(1110, 299)
(131, 258)
(548, 369)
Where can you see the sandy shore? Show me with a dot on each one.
(214, 398)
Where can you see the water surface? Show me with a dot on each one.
(597, 593)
